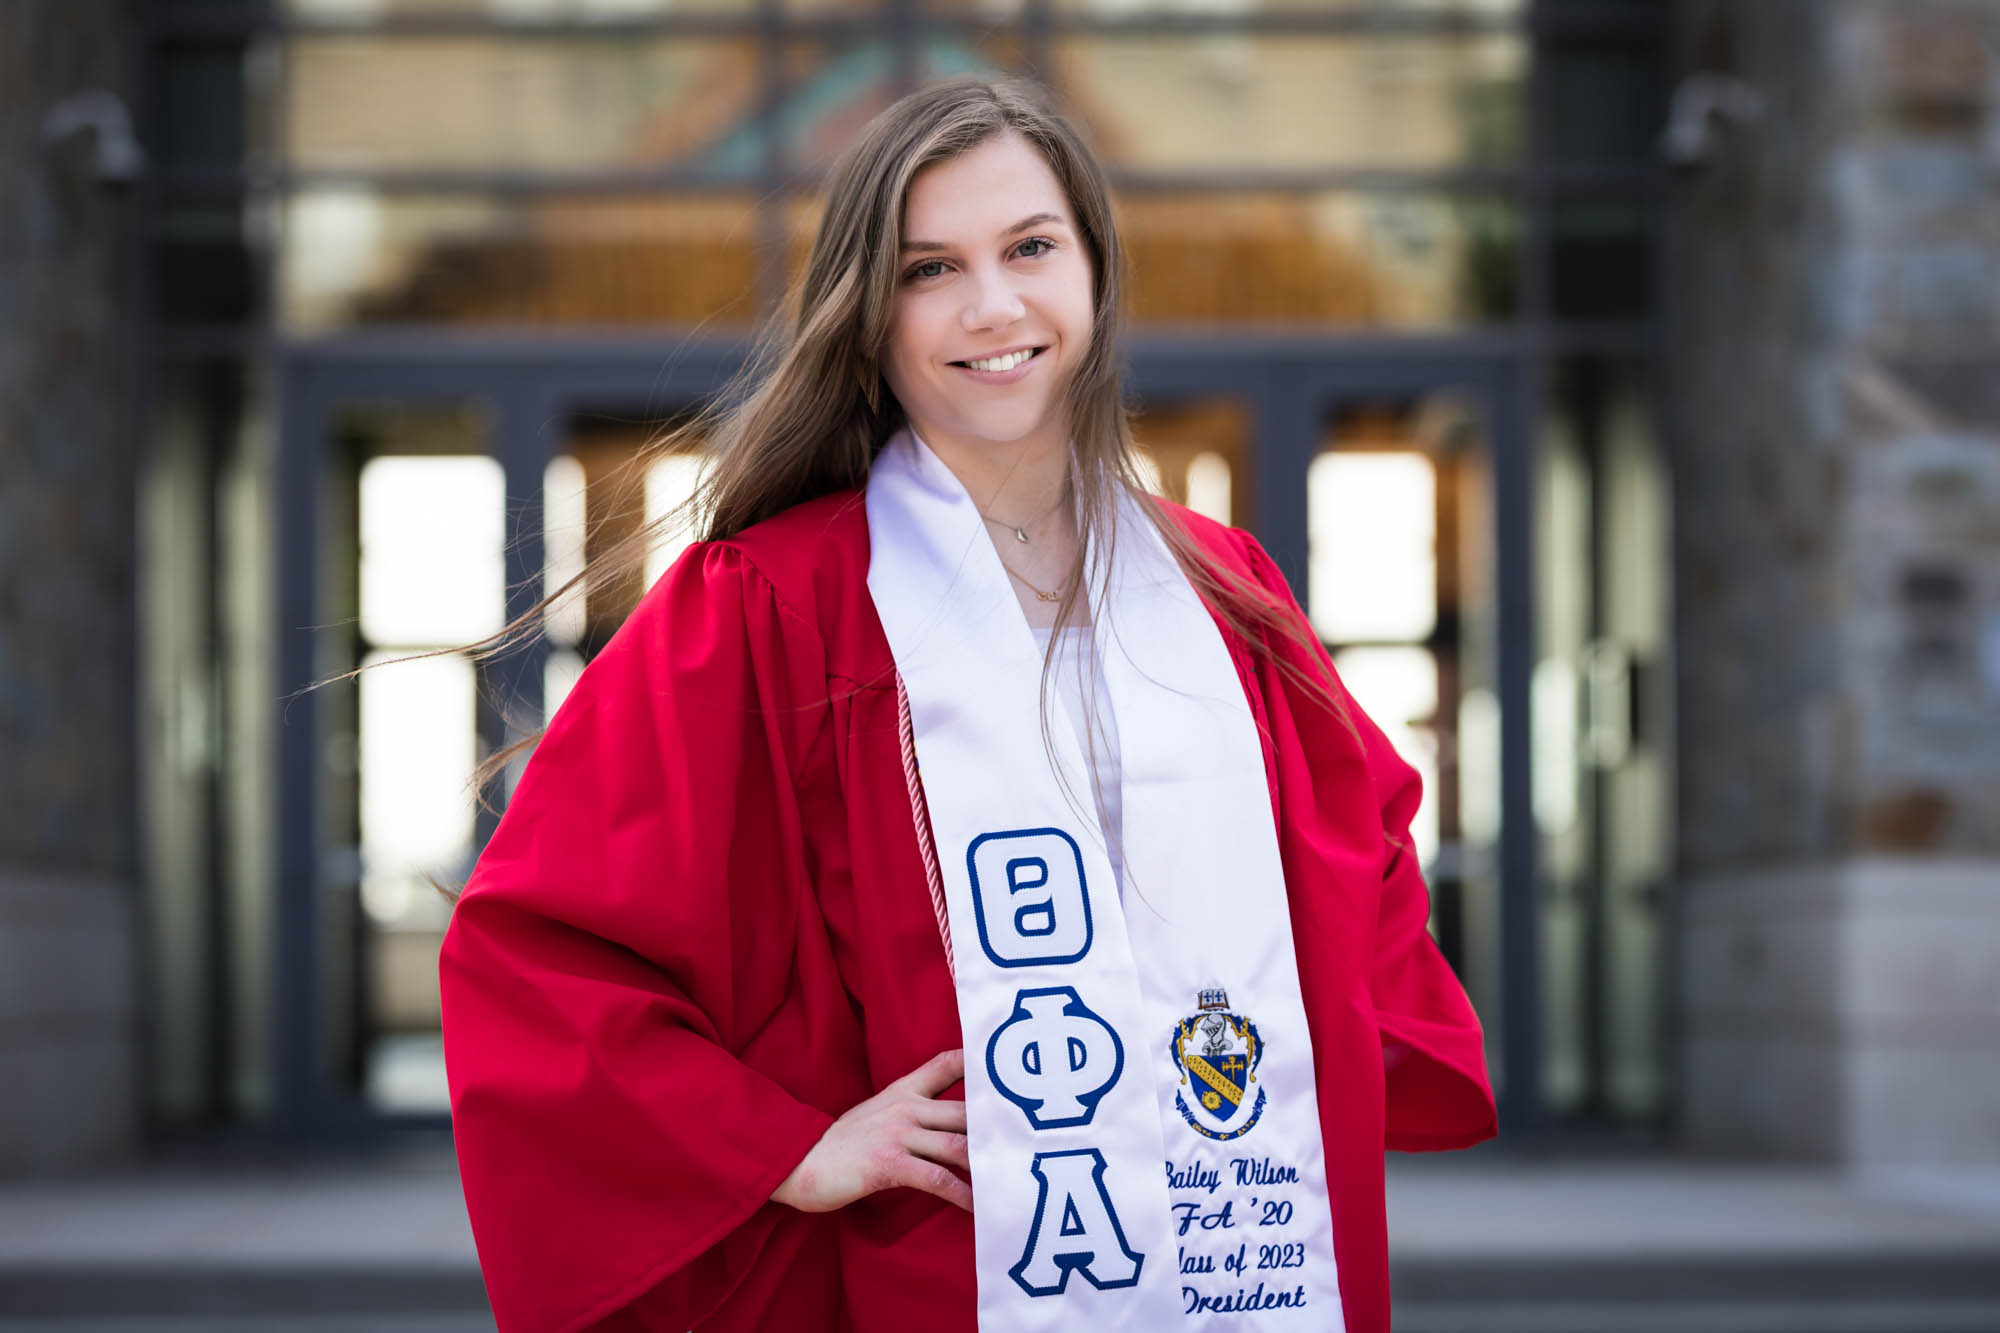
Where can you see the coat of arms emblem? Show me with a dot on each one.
(1217, 1053)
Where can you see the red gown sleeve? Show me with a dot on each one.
(1438, 1095)
(623, 1038)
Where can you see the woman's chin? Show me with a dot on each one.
(999, 428)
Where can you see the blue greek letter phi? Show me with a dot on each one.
(1054, 1058)
(1075, 1228)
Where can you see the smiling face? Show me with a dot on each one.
(992, 264)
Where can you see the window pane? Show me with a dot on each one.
(417, 752)
(1606, 104)
(670, 480)
(833, 88)
(944, 54)
(1371, 521)
(803, 214)
(543, 103)
(830, 8)
(991, 9)
(202, 264)
(1599, 259)
(564, 525)
(559, 676)
(1137, 8)
(1374, 259)
(1236, 101)
(360, 256)
(433, 569)
(1398, 689)
(203, 106)
(1399, 576)
(609, 482)
(1197, 451)
(517, 10)
(1210, 486)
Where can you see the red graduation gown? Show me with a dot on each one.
(702, 930)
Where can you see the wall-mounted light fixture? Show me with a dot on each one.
(1702, 103)
(117, 158)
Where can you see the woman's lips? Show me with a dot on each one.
(1002, 376)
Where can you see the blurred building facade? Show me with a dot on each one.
(71, 863)
(1627, 434)
(1837, 467)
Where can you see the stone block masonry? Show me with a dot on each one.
(68, 924)
(1837, 473)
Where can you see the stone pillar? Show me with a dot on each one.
(68, 969)
(1836, 335)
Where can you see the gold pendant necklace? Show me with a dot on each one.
(1040, 595)
(1020, 530)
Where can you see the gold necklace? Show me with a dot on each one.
(1020, 529)
(1055, 596)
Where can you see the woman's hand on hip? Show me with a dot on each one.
(903, 1135)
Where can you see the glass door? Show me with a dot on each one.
(424, 505)
(1400, 585)
(1390, 484)
(412, 564)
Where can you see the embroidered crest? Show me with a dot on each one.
(1217, 1053)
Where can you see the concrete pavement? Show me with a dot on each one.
(1482, 1242)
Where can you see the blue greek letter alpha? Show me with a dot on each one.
(1075, 1228)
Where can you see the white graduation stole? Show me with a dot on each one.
(1139, 1086)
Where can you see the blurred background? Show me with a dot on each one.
(1617, 382)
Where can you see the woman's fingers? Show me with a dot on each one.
(904, 1135)
(936, 1074)
(940, 1147)
(941, 1114)
(932, 1178)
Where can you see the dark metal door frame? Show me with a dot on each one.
(1291, 382)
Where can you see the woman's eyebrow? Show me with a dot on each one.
(1034, 220)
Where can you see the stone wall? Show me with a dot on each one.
(1836, 265)
(68, 1052)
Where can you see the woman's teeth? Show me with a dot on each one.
(1007, 362)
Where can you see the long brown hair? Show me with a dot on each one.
(809, 410)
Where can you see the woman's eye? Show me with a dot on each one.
(917, 270)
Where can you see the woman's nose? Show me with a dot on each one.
(994, 301)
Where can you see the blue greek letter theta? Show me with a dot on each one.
(1028, 897)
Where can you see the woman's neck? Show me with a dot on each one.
(1016, 484)
(1022, 490)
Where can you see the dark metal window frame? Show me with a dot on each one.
(1292, 382)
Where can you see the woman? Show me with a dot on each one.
(799, 935)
